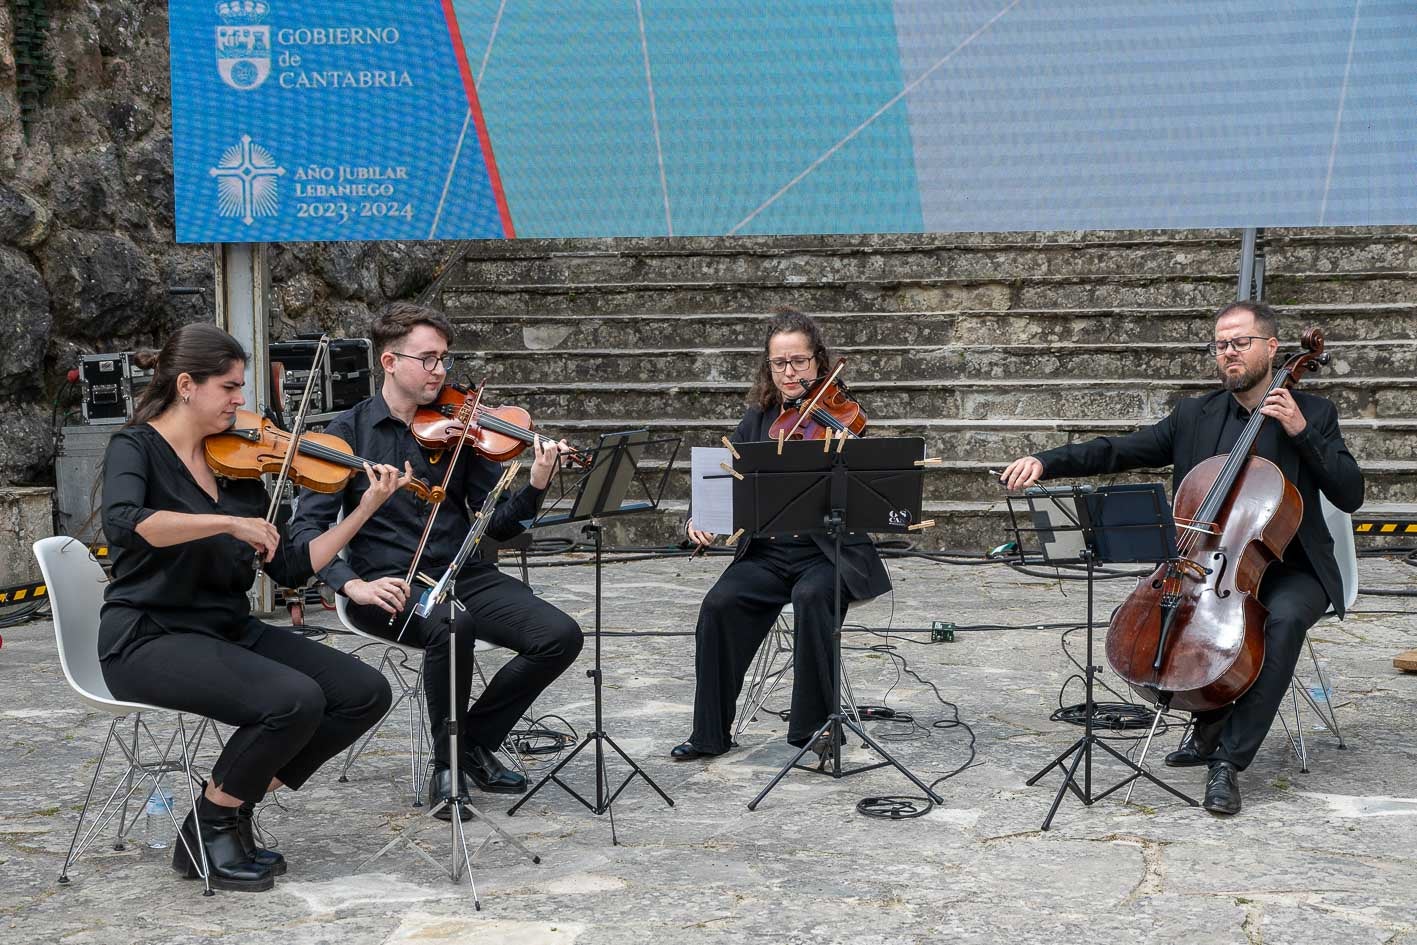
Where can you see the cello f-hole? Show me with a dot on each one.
(1224, 560)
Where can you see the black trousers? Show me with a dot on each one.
(1296, 600)
(503, 611)
(735, 618)
(295, 703)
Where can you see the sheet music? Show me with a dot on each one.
(712, 499)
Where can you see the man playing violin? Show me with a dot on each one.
(412, 342)
(176, 628)
(1302, 438)
(768, 573)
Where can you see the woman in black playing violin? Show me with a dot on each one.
(176, 629)
(769, 573)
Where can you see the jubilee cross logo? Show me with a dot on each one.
(246, 179)
(243, 43)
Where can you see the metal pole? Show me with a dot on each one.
(243, 308)
(1247, 244)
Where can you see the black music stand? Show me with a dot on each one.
(1108, 525)
(600, 492)
(831, 487)
(444, 591)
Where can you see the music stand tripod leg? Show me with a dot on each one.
(458, 801)
(837, 721)
(604, 798)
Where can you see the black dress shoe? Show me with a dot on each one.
(246, 829)
(687, 752)
(1222, 790)
(489, 774)
(1200, 742)
(440, 785)
(230, 866)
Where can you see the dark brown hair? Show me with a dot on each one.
(1266, 320)
(201, 350)
(399, 318)
(783, 322)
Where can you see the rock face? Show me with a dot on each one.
(87, 252)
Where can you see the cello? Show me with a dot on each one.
(1191, 635)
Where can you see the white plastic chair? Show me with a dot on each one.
(770, 668)
(75, 585)
(1345, 552)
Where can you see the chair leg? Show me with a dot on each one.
(93, 783)
(1329, 717)
(201, 851)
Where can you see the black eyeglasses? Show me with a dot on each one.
(430, 363)
(798, 364)
(1241, 343)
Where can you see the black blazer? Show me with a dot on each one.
(862, 572)
(1315, 461)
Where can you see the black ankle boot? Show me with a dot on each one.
(246, 827)
(231, 868)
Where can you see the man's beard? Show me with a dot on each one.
(1245, 380)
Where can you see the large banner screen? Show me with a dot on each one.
(454, 119)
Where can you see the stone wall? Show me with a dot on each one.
(87, 252)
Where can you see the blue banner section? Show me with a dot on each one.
(448, 119)
(324, 121)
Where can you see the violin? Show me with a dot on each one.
(1191, 635)
(323, 463)
(498, 433)
(826, 410)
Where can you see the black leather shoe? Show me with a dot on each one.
(1222, 789)
(489, 774)
(687, 752)
(1196, 748)
(246, 829)
(231, 867)
(440, 784)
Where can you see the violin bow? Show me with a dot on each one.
(806, 409)
(467, 424)
(322, 354)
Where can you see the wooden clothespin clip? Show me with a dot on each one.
(728, 445)
(781, 438)
(733, 538)
(841, 440)
(421, 576)
(921, 526)
(827, 443)
(931, 461)
(731, 471)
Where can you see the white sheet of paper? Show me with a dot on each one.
(712, 499)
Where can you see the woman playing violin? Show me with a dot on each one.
(769, 573)
(176, 629)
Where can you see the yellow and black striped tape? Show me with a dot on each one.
(1384, 526)
(18, 595)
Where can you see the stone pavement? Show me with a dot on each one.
(1323, 857)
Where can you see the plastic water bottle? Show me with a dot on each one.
(156, 822)
(1321, 691)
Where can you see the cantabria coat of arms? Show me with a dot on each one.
(243, 43)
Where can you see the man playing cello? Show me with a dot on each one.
(1302, 438)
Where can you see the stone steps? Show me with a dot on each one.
(996, 440)
(1387, 358)
(795, 259)
(923, 295)
(542, 332)
(551, 405)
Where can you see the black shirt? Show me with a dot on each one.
(194, 587)
(385, 545)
